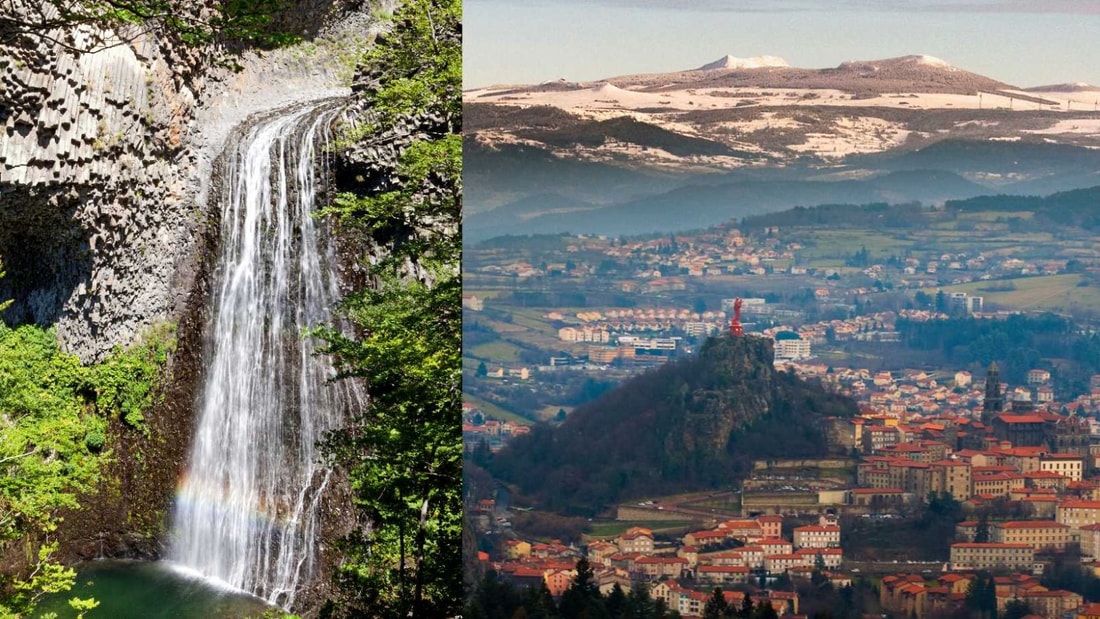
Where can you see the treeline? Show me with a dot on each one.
(496, 598)
(1076, 208)
(874, 215)
(499, 599)
(1017, 343)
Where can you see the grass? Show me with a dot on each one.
(1050, 292)
(482, 293)
(497, 351)
(547, 413)
(492, 410)
(727, 505)
(995, 215)
(614, 528)
(823, 244)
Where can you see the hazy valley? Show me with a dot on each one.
(745, 136)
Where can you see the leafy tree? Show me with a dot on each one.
(195, 23)
(53, 419)
(716, 607)
(403, 454)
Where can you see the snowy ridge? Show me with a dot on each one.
(755, 62)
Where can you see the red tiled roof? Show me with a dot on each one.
(1032, 524)
(1075, 504)
(1020, 418)
(723, 569)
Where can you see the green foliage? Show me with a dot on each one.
(44, 461)
(694, 423)
(717, 607)
(125, 383)
(494, 598)
(403, 454)
(53, 439)
(420, 64)
(193, 23)
(46, 577)
(981, 596)
(417, 211)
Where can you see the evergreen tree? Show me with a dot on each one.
(638, 603)
(981, 532)
(540, 603)
(716, 607)
(764, 610)
(745, 612)
(582, 599)
(981, 596)
(1016, 609)
(616, 602)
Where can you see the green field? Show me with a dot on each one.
(1052, 292)
(492, 410)
(498, 351)
(614, 528)
(547, 413)
(840, 244)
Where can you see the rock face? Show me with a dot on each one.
(96, 225)
(108, 224)
(368, 166)
(105, 162)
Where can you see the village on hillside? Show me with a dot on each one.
(1026, 476)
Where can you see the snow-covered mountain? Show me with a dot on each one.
(733, 62)
(759, 111)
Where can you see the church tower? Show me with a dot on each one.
(994, 401)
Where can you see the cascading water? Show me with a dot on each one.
(249, 507)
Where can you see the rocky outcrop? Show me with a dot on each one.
(105, 162)
(95, 222)
(108, 222)
(694, 423)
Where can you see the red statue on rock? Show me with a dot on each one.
(735, 323)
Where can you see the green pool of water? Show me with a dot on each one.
(153, 590)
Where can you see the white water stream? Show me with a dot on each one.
(249, 509)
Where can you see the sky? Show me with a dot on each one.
(1021, 42)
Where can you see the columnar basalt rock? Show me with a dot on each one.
(97, 226)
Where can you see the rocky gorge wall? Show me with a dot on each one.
(96, 228)
(108, 222)
(105, 164)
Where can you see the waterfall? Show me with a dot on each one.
(249, 508)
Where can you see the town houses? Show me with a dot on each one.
(683, 573)
(1029, 470)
